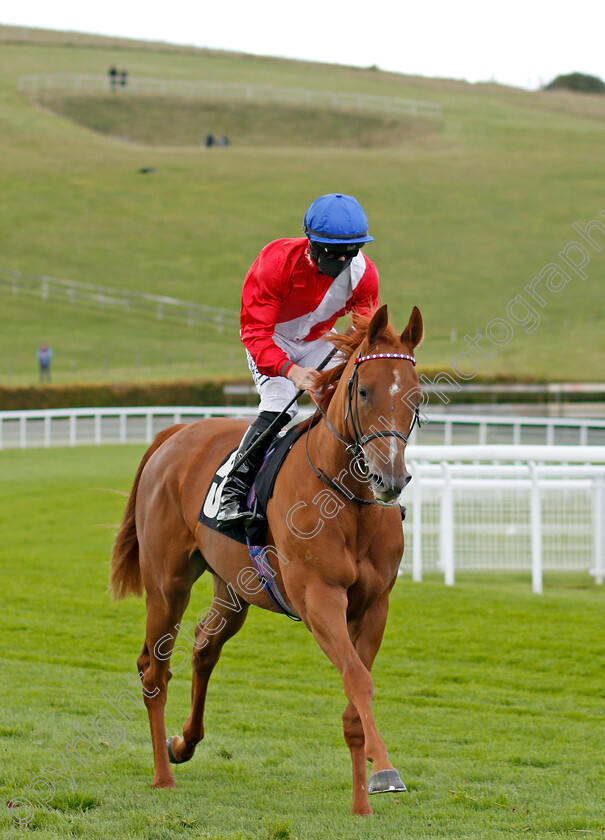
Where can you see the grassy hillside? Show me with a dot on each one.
(463, 219)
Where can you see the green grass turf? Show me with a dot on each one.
(464, 217)
(490, 698)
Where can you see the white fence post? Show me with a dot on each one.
(417, 530)
(447, 526)
(123, 427)
(536, 531)
(482, 433)
(599, 564)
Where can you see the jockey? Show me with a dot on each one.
(293, 295)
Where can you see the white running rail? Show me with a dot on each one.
(85, 426)
(82, 426)
(224, 90)
(496, 507)
(486, 429)
(124, 301)
(505, 508)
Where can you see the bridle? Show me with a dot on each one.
(359, 439)
(352, 413)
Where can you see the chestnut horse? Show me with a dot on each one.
(335, 572)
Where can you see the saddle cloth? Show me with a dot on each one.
(261, 492)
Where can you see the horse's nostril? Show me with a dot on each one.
(407, 480)
(377, 481)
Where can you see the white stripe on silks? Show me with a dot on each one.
(332, 302)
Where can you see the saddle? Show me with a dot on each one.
(254, 532)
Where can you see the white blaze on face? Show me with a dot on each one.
(393, 449)
(396, 386)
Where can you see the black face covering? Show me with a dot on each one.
(327, 259)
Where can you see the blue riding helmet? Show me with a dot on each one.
(336, 219)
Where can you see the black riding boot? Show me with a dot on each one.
(234, 507)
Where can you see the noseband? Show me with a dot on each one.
(352, 412)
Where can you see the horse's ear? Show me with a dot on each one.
(414, 332)
(378, 324)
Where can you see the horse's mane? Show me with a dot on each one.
(346, 343)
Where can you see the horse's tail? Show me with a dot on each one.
(125, 578)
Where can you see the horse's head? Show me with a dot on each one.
(383, 394)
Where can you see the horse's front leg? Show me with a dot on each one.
(367, 636)
(325, 615)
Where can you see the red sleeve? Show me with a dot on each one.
(265, 287)
(365, 296)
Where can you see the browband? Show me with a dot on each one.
(361, 359)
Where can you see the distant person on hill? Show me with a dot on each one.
(223, 140)
(293, 295)
(210, 141)
(123, 78)
(44, 356)
(113, 77)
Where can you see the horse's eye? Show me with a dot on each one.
(363, 393)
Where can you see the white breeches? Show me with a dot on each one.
(277, 391)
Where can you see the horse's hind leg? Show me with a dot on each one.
(221, 621)
(167, 599)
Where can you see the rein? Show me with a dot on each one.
(359, 439)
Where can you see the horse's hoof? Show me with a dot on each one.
(385, 781)
(171, 755)
(167, 782)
